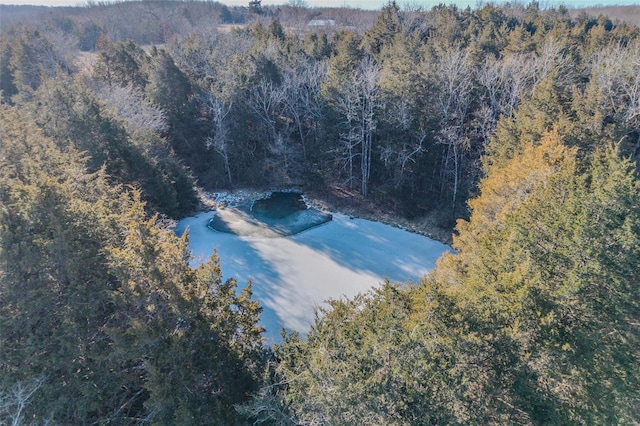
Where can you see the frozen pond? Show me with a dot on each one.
(293, 275)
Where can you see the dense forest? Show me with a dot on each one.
(517, 127)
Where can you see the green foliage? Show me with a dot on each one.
(360, 364)
(533, 267)
(317, 46)
(532, 321)
(196, 342)
(344, 62)
(71, 113)
(120, 63)
(388, 25)
(89, 36)
(7, 84)
(56, 221)
(99, 306)
(31, 58)
(167, 86)
(450, 80)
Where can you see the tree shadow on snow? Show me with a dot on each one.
(238, 259)
(375, 248)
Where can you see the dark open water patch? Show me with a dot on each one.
(278, 205)
(280, 214)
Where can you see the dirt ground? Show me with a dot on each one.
(354, 204)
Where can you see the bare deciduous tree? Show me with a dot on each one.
(303, 101)
(504, 82)
(615, 72)
(455, 78)
(358, 104)
(219, 113)
(215, 60)
(265, 100)
(131, 106)
(14, 401)
(396, 155)
(552, 60)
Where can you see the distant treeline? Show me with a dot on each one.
(628, 14)
(400, 111)
(145, 22)
(518, 125)
(156, 22)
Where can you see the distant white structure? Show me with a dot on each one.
(321, 23)
(255, 5)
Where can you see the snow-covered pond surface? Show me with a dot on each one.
(293, 275)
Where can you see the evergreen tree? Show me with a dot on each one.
(32, 58)
(527, 276)
(121, 63)
(55, 286)
(70, 112)
(388, 25)
(196, 345)
(100, 310)
(531, 321)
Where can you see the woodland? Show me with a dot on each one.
(513, 126)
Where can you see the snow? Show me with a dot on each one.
(293, 275)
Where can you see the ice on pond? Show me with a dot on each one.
(293, 275)
(280, 214)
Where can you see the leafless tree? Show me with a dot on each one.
(65, 46)
(397, 154)
(368, 80)
(552, 58)
(14, 401)
(302, 100)
(214, 59)
(347, 150)
(359, 103)
(266, 406)
(615, 72)
(417, 19)
(283, 164)
(295, 14)
(491, 77)
(265, 100)
(455, 78)
(130, 105)
(219, 113)
(281, 117)
(504, 82)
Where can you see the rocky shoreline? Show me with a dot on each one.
(342, 202)
(279, 214)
